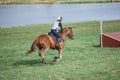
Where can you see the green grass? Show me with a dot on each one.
(53, 1)
(83, 59)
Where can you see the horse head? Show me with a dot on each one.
(68, 32)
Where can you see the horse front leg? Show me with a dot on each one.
(42, 56)
(59, 56)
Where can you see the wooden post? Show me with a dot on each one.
(101, 44)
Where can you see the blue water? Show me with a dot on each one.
(23, 14)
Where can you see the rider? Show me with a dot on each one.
(55, 27)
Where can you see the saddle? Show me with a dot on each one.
(53, 37)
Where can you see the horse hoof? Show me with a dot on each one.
(54, 60)
(44, 61)
(56, 57)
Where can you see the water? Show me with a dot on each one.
(23, 14)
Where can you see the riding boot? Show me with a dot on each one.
(58, 41)
(57, 44)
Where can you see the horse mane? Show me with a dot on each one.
(65, 29)
(64, 32)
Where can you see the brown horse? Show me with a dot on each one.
(44, 42)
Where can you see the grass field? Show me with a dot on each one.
(53, 1)
(83, 59)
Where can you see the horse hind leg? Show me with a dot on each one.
(42, 56)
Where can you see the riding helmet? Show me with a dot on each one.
(59, 18)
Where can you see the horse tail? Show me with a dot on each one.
(33, 47)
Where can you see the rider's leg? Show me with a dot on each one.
(57, 35)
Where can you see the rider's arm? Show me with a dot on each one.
(60, 24)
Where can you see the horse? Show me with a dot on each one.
(45, 42)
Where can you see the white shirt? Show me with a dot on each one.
(55, 26)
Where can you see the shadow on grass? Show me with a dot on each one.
(97, 46)
(35, 62)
